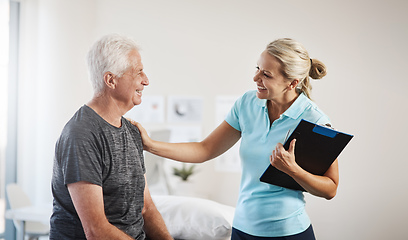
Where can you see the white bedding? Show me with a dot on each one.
(190, 218)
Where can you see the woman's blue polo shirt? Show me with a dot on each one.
(263, 209)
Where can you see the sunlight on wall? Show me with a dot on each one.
(4, 53)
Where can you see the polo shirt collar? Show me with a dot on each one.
(261, 102)
(297, 107)
(295, 110)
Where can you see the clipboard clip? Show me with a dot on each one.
(325, 131)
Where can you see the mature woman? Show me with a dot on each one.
(262, 119)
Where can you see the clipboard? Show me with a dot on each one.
(316, 149)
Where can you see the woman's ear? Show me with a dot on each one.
(110, 80)
(294, 83)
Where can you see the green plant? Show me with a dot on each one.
(184, 172)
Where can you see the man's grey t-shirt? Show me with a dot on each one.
(92, 150)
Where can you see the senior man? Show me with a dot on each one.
(98, 184)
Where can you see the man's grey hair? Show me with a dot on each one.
(109, 54)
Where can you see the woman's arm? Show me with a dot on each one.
(219, 141)
(321, 186)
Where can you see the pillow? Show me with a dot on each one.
(190, 218)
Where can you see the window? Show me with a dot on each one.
(9, 35)
(4, 65)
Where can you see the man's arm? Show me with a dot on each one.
(154, 225)
(88, 202)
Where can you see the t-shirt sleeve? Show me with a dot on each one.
(139, 145)
(232, 117)
(80, 157)
(138, 141)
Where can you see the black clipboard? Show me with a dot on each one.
(316, 149)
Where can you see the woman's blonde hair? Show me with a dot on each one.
(296, 63)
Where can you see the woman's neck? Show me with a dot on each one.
(277, 108)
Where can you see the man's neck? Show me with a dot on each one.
(108, 110)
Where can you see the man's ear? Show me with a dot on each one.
(110, 80)
(294, 83)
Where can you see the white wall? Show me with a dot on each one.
(210, 48)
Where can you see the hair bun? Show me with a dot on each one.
(317, 69)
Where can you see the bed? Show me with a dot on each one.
(191, 218)
(186, 217)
